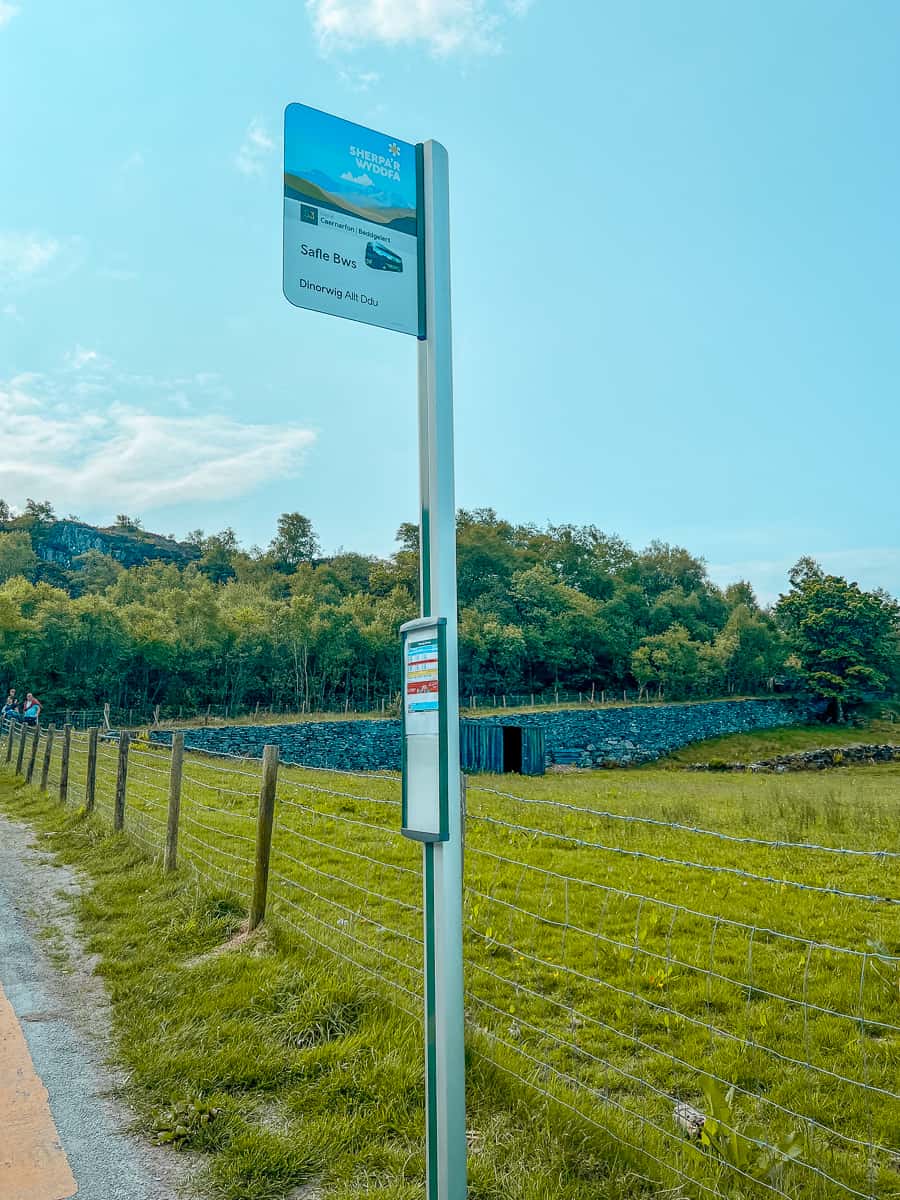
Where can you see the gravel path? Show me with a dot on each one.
(62, 1010)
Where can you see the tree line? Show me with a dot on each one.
(564, 606)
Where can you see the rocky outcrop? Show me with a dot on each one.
(63, 541)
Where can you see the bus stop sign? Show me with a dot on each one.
(351, 221)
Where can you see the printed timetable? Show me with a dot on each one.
(422, 676)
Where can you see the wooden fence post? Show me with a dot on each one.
(90, 782)
(21, 752)
(170, 862)
(32, 758)
(48, 751)
(121, 782)
(9, 740)
(64, 764)
(264, 834)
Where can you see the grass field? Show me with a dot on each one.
(767, 743)
(634, 940)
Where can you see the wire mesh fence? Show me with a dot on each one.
(724, 1002)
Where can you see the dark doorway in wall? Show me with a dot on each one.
(512, 749)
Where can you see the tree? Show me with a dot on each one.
(749, 650)
(127, 524)
(96, 571)
(217, 560)
(40, 511)
(845, 638)
(671, 660)
(295, 541)
(5, 511)
(17, 556)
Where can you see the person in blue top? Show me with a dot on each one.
(11, 707)
(31, 709)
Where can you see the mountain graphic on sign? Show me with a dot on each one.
(367, 203)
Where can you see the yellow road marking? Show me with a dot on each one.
(33, 1164)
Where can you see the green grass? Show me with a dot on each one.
(767, 743)
(303, 1072)
(607, 977)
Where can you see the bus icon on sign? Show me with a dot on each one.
(379, 258)
(309, 214)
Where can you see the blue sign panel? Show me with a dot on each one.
(350, 220)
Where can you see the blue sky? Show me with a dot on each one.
(676, 283)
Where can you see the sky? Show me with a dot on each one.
(676, 271)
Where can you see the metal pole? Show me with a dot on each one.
(444, 1024)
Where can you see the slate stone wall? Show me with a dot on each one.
(864, 754)
(586, 737)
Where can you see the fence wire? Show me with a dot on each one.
(725, 1005)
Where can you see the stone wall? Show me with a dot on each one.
(586, 737)
(863, 754)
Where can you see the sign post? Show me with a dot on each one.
(367, 236)
(445, 1042)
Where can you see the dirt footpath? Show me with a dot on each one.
(63, 1124)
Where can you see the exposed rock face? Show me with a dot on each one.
(812, 760)
(64, 541)
(585, 737)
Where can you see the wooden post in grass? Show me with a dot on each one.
(48, 751)
(9, 740)
(90, 782)
(64, 764)
(264, 834)
(170, 861)
(121, 782)
(21, 752)
(32, 757)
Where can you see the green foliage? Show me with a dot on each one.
(846, 639)
(17, 556)
(96, 571)
(182, 1123)
(295, 541)
(40, 511)
(740, 1148)
(567, 607)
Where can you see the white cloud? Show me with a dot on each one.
(255, 149)
(445, 26)
(359, 81)
(363, 180)
(79, 358)
(25, 254)
(85, 453)
(27, 257)
(7, 12)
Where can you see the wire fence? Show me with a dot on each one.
(724, 1004)
(141, 714)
